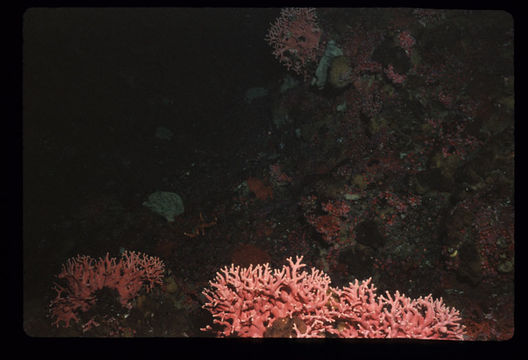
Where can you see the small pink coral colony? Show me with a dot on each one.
(295, 38)
(258, 301)
(83, 276)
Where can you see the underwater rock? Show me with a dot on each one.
(340, 71)
(163, 133)
(167, 204)
(255, 93)
(321, 73)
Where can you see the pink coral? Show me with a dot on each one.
(249, 302)
(295, 38)
(362, 313)
(246, 301)
(83, 276)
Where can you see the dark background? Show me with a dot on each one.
(96, 85)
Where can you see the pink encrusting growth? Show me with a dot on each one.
(394, 76)
(246, 302)
(407, 41)
(84, 275)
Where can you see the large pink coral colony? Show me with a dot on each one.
(83, 276)
(247, 301)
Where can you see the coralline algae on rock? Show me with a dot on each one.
(167, 204)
